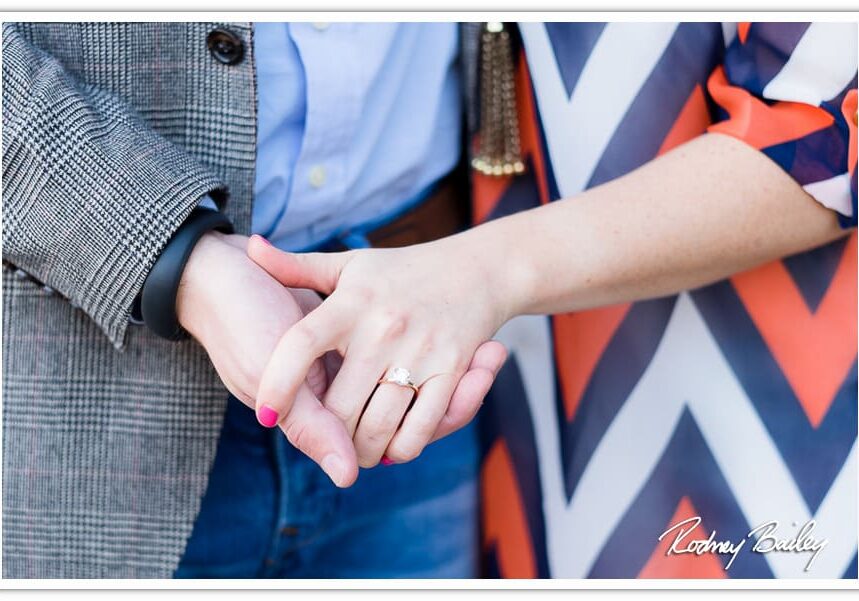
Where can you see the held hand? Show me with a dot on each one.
(238, 313)
(423, 308)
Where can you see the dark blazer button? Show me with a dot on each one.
(225, 46)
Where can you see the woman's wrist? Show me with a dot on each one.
(500, 260)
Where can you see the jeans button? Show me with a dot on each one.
(225, 46)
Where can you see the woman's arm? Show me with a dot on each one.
(710, 208)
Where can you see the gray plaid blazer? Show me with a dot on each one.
(112, 132)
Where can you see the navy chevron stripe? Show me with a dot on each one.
(813, 456)
(812, 158)
(813, 270)
(686, 468)
(693, 53)
(754, 64)
(851, 572)
(572, 44)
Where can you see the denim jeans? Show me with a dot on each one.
(269, 512)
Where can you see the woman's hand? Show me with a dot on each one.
(426, 308)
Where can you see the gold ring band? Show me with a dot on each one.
(410, 385)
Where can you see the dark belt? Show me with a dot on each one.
(443, 213)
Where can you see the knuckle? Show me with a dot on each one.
(450, 351)
(393, 323)
(303, 335)
(297, 434)
(346, 410)
(428, 345)
(461, 354)
(404, 451)
(364, 362)
(359, 295)
(458, 359)
(317, 379)
(376, 429)
(422, 424)
(367, 462)
(463, 413)
(342, 408)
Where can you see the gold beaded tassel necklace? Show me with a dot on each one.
(499, 152)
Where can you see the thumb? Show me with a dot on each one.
(318, 271)
(319, 434)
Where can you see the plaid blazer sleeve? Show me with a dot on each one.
(90, 193)
(789, 90)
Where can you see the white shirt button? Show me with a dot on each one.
(321, 26)
(316, 176)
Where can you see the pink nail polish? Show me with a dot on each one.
(267, 416)
(386, 461)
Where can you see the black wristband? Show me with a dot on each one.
(158, 297)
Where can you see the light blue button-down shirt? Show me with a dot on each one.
(356, 122)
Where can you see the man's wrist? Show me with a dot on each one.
(160, 291)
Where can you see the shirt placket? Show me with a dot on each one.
(333, 109)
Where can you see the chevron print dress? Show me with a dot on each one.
(735, 403)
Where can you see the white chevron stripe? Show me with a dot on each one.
(821, 65)
(583, 124)
(833, 193)
(729, 32)
(687, 370)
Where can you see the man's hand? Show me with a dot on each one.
(238, 313)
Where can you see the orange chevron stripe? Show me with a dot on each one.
(759, 124)
(487, 189)
(814, 350)
(691, 122)
(848, 109)
(661, 565)
(580, 340)
(503, 517)
(743, 31)
(486, 192)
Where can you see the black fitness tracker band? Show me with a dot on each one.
(158, 297)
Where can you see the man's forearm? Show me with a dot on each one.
(91, 193)
(708, 209)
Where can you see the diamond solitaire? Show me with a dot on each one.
(401, 377)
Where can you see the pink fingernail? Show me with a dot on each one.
(386, 461)
(267, 416)
(265, 240)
